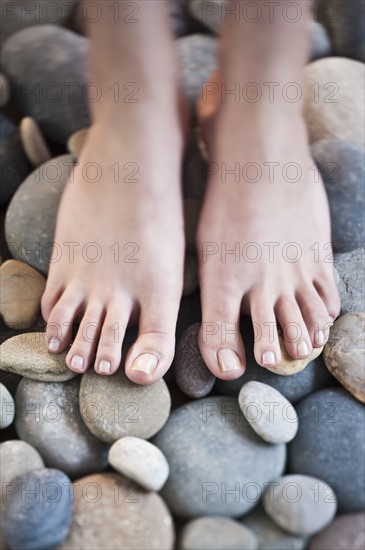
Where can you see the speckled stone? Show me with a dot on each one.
(345, 532)
(7, 407)
(27, 355)
(17, 458)
(215, 533)
(112, 512)
(33, 142)
(292, 503)
(55, 427)
(350, 267)
(76, 142)
(190, 274)
(4, 91)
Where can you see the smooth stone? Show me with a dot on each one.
(76, 142)
(334, 102)
(113, 407)
(345, 532)
(330, 445)
(34, 144)
(344, 353)
(302, 505)
(31, 216)
(27, 355)
(22, 288)
(17, 458)
(342, 167)
(320, 43)
(191, 373)
(190, 274)
(139, 461)
(195, 176)
(290, 366)
(4, 91)
(112, 512)
(350, 282)
(180, 19)
(55, 427)
(7, 407)
(39, 520)
(218, 464)
(192, 210)
(59, 102)
(14, 164)
(216, 533)
(268, 412)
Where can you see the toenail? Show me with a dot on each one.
(268, 358)
(146, 363)
(54, 344)
(77, 363)
(228, 360)
(104, 366)
(303, 349)
(319, 337)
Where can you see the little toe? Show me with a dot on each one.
(80, 355)
(295, 334)
(328, 292)
(316, 316)
(266, 346)
(59, 325)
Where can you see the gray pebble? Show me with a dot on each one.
(350, 267)
(216, 533)
(14, 164)
(345, 532)
(17, 458)
(7, 407)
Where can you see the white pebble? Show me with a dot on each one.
(7, 407)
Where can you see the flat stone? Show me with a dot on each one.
(346, 531)
(76, 142)
(139, 461)
(215, 533)
(218, 464)
(350, 267)
(330, 445)
(4, 91)
(113, 407)
(55, 428)
(191, 373)
(268, 412)
(290, 366)
(7, 407)
(22, 288)
(344, 353)
(190, 274)
(292, 504)
(33, 142)
(116, 513)
(27, 355)
(17, 458)
(334, 103)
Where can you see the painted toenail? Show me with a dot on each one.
(146, 363)
(228, 360)
(104, 366)
(77, 363)
(303, 349)
(319, 337)
(268, 358)
(54, 344)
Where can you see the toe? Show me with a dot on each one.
(315, 315)
(266, 347)
(60, 319)
(328, 292)
(81, 353)
(295, 334)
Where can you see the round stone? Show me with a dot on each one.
(268, 412)
(7, 407)
(190, 274)
(218, 464)
(48, 417)
(344, 353)
(38, 513)
(113, 407)
(31, 217)
(4, 91)
(334, 103)
(139, 461)
(112, 512)
(27, 355)
(215, 533)
(191, 373)
(33, 142)
(329, 447)
(76, 142)
(289, 366)
(350, 282)
(292, 503)
(17, 458)
(22, 288)
(320, 44)
(347, 531)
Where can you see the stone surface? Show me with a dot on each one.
(345, 532)
(350, 282)
(342, 167)
(190, 274)
(55, 427)
(290, 366)
(22, 288)
(215, 533)
(76, 142)
(14, 165)
(191, 373)
(139, 461)
(292, 503)
(31, 217)
(330, 445)
(39, 521)
(115, 513)
(4, 91)
(113, 406)
(27, 355)
(268, 412)
(334, 102)
(218, 465)
(33, 142)
(344, 353)
(7, 407)
(320, 44)
(51, 62)
(17, 458)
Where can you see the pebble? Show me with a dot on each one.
(22, 288)
(139, 461)
(27, 354)
(113, 407)
(41, 520)
(216, 533)
(112, 512)
(7, 408)
(12, 158)
(268, 412)
(59, 108)
(330, 445)
(33, 142)
(31, 216)
(55, 427)
(350, 282)
(345, 532)
(17, 458)
(290, 366)
(4, 91)
(342, 168)
(334, 103)
(192, 210)
(218, 465)
(191, 373)
(76, 142)
(181, 21)
(302, 505)
(190, 274)
(320, 44)
(344, 353)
